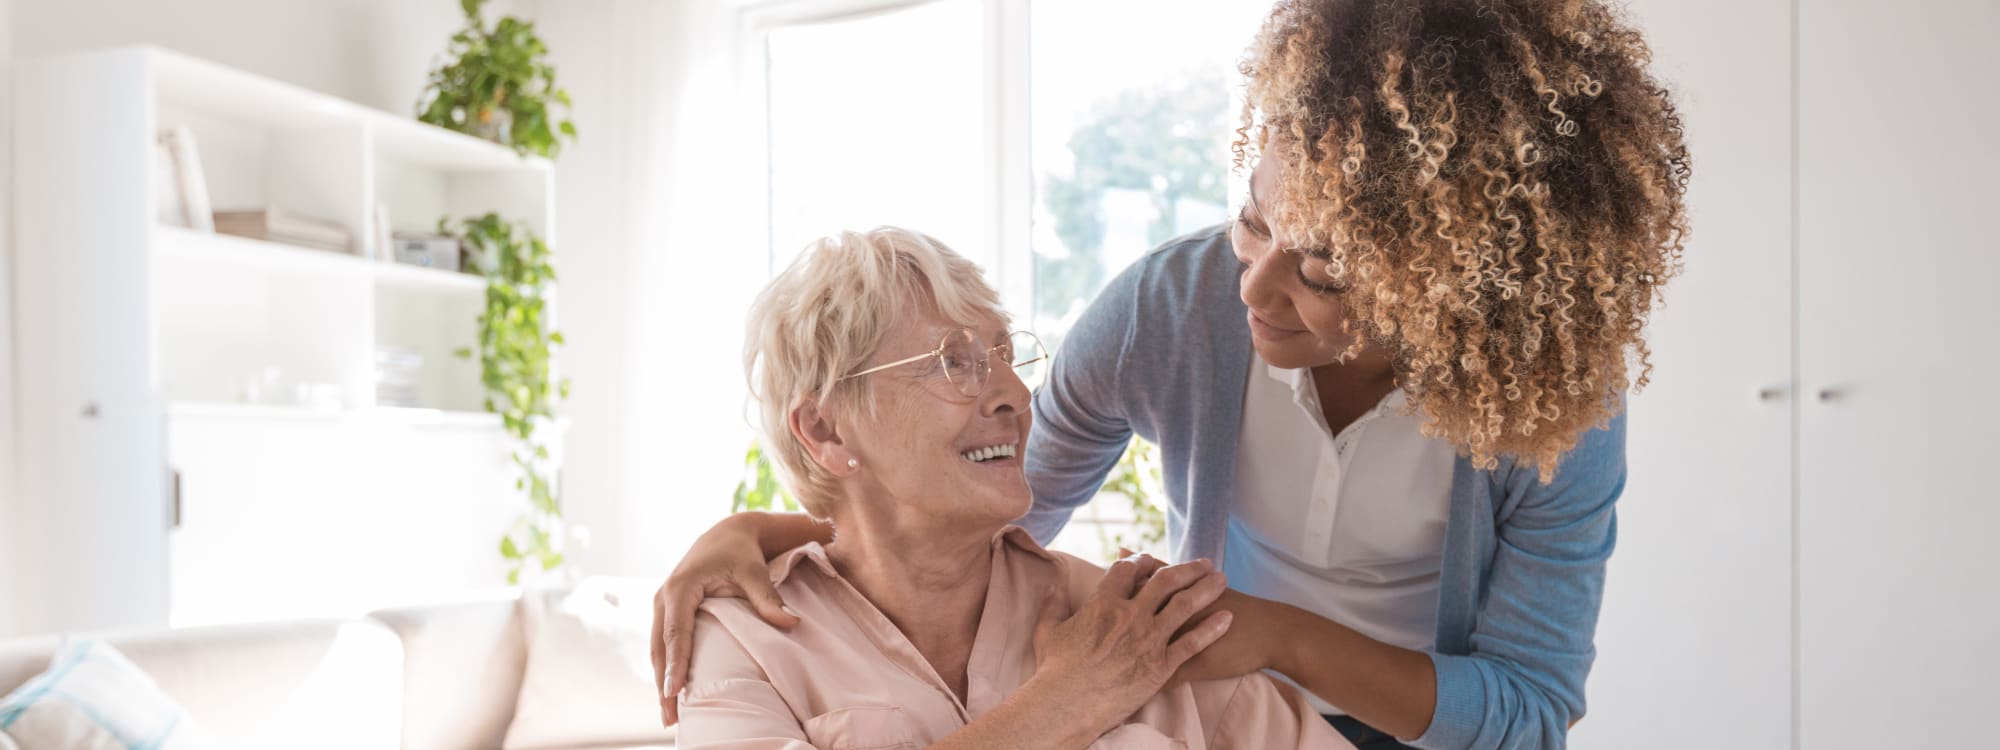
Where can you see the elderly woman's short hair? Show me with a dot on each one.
(826, 315)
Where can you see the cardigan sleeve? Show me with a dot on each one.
(1080, 427)
(1521, 684)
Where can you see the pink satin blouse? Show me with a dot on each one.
(846, 679)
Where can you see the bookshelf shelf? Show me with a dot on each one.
(179, 244)
(259, 414)
(405, 276)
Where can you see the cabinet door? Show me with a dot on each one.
(1694, 643)
(1899, 577)
(289, 515)
(89, 541)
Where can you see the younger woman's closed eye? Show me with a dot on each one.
(1318, 287)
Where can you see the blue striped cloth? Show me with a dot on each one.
(93, 698)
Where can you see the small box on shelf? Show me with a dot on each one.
(427, 250)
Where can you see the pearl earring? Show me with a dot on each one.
(853, 463)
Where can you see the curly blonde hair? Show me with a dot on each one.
(1499, 187)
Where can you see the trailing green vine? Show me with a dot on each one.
(515, 353)
(760, 489)
(1137, 479)
(499, 86)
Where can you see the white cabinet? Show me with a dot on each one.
(1805, 555)
(151, 491)
(1899, 580)
(1694, 640)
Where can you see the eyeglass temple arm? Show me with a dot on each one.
(879, 368)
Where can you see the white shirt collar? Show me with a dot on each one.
(1307, 397)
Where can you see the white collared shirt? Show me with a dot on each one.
(1348, 526)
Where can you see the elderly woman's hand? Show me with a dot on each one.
(1117, 650)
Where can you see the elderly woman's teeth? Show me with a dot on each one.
(989, 453)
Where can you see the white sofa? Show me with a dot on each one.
(436, 677)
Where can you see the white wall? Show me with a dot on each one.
(656, 275)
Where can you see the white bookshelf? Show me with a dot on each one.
(242, 373)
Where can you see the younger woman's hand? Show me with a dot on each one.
(1251, 644)
(727, 561)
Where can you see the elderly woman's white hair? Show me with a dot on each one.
(825, 316)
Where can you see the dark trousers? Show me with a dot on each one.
(1363, 736)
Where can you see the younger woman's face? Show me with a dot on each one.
(1295, 307)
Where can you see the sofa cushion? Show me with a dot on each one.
(92, 698)
(256, 686)
(590, 674)
(462, 669)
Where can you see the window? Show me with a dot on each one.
(1131, 130)
(879, 120)
(1052, 141)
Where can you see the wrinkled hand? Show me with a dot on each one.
(1119, 648)
(725, 562)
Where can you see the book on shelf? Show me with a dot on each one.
(181, 190)
(398, 372)
(277, 225)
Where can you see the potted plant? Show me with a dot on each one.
(499, 85)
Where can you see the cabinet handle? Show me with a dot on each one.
(176, 510)
(1830, 395)
(1771, 393)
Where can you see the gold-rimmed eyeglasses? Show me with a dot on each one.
(966, 364)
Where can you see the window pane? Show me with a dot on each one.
(879, 120)
(1131, 135)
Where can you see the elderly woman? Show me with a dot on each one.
(890, 399)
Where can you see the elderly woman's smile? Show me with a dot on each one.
(998, 453)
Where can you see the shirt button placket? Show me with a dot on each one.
(1319, 521)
